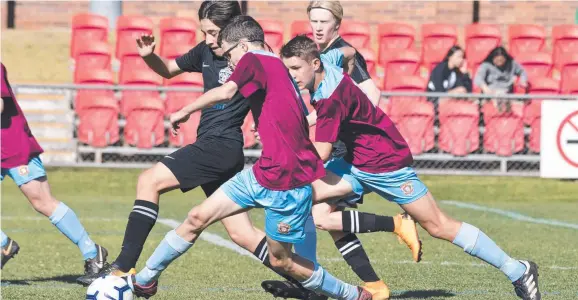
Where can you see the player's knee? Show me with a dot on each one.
(197, 222)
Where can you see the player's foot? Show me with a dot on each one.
(364, 294)
(9, 251)
(93, 266)
(527, 286)
(107, 269)
(378, 290)
(141, 290)
(285, 289)
(406, 231)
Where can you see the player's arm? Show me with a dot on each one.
(164, 67)
(371, 90)
(324, 149)
(348, 64)
(312, 118)
(2, 105)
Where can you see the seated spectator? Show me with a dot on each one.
(451, 75)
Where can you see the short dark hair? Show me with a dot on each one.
(302, 47)
(219, 12)
(242, 27)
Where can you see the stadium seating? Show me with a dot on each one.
(459, 132)
(176, 31)
(370, 60)
(480, 40)
(144, 123)
(98, 126)
(504, 134)
(536, 64)
(392, 38)
(249, 138)
(533, 112)
(91, 56)
(177, 100)
(87, 28)
(399, 64)
(274, 32)
(569, 73)
(301, 27)
(187, 131)
(564, 40)
(526, 38)
(436, 40)
(128, 29)
(174, 51)
(92, 77)
(131, 98)
(355, 33)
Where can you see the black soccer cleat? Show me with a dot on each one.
(527, 286)
(94, 266)
(9, 251)
(142, 291)
(290, 290)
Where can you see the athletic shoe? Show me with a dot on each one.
(378, 290)
(9, 251)
(363, 294)
(406, 231)
(527, 286)
(107, 269)
(285, 289)
(140, 290)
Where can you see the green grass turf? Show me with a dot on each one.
(48, 262)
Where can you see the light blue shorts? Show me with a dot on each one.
(401, 186)
(334, 166)
(285, 211)
(25, 173)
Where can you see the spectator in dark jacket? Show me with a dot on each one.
(450, 75)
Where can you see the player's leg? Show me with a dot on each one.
(9, 249)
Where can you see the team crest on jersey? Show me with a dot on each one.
(224, 74)
(283, 228)
(23, 170)
(407, 188)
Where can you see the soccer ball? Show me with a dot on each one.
(109, 288)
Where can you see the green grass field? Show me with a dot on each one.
(48, 263)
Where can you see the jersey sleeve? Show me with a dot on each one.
(248, 75)
(360, 73)
(192, 61)
(334, 57)
(330, 114)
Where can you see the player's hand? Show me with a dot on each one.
(146, 45)
(176, 119)
(255, 132)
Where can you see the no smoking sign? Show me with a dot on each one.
(559, 139)
(567, 139)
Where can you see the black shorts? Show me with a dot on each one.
(207, 163)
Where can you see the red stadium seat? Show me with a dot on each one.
(98, 125)
(176, 99)
(129, 64)
(437, 39)
(392, 38)
(187, 131)
(401, 63)
(355, 33)
(92, 77)
(504, 134)
(132, 98)
(174, 51)
(176, 31)
(526, 38)
(569, 73)
(93, 56)
(536, 64)
(274, 32)
(480, 40)
(301, 27)
(248, 131)
(533, 110)
(86, 29)
(144, 123)
(370, 60)
(128, 29)
(564, 40)
(459, 132)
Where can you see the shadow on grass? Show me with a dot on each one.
(422, 294)
(61, 278)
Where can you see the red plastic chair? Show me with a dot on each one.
(86, 29)
(437, 39)
(569, 73)
(459, 132)
(187, 131)
(564, 41)
(533, 110)
(128, 29)
(132, 98)
(480, 40)
(93, 56)
(401, 63)
(84, 97)
(536, 64)
(176, 31)
(301, 27)
(355, 33)
(176, 99)
(392, 38)
(98, 126)
(526, 38)
(370, 60)
(174, 51)
(504, 134)
(144, 123)
(274, 31)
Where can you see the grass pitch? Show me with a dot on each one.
(48, 263)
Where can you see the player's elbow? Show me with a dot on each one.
(325, 155)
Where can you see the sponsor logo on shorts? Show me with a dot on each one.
(407, 188)
(283, 228)
(23, 170)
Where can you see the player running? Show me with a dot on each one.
(380, 159)
(280, 181)
(21, 162)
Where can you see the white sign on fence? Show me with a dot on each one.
(559, 139)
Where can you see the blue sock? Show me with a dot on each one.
(308, 248)
(476, 243)
(170, 248)
(66, 221)
(4, 239)
(324, 283)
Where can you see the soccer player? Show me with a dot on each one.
(380, 159)
(21, 162)
(280, 181)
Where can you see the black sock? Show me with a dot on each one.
(352, 250)
(140, 223)
(360, 222)
(262, 253)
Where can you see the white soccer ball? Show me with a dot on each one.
(109, 288)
